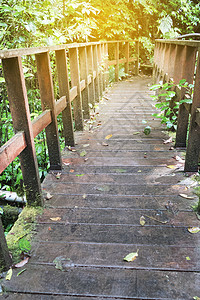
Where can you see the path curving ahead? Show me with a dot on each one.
(93, 219)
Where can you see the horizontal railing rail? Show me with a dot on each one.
(175, 60)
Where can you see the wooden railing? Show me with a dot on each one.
(89, 63)
(175, 60)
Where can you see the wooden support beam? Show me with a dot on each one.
(75, 81)
(10, 150)
(193, 148)
(84, 77)
(117, 61)
(5, 259)
(186, 72)
(19, 108)
(64, 91)
(137, 57)
(48, 102)
(96, 75)
(100, 69)
(89, 50)
(126, 54)
(73, 93)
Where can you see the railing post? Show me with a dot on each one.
(48, 102)
(19, 108)
(100, 69)
(193, 148)
(91, 69)
(84, 76)
(5, 259)
(117, 61)
(64, 90)
(137, 57)
(189, 58)
(96, 69)
(75, 81)
(126, 54)
(106, 72)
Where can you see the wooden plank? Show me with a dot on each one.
(198, 116)
(195, 44)
(137, 57)
(84, 78)
(48, 102)
(96, 73)
(82, 85)
(64, 91)
(5, 258)
(89, 79)
(122, 60)
(99, 54)
(73, 93)
(89, 50)
(126, 54)
(41, 122)
(193, 148)
(10, 150)
(112, 62)
(19, 108)
(117, 61)
(75, 81)
(132, 59)
(60, 105)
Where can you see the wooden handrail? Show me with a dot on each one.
(175, 60)
(88, 78)
(89, 64)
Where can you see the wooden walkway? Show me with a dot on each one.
(93, 219)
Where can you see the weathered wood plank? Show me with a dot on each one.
(18, 100)
(84, 77)
(41, 122)
(10, 150)
(64, 90)
(73, 93)
(117, 61)
(75, 80)
(48, 102)
(5, 258)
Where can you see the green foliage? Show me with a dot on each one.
(24, 245)
(168, 104)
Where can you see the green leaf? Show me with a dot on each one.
(119, 170)
(2, 80)
(182, 81)
(155, 87)
(131, 256)
(83, 153)
(147, 130)
(1, 211)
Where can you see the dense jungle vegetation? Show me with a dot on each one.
(31, 23)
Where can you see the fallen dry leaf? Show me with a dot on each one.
(131, 256)
(55, 219)
(84, 196)
(22, 263)
(194, 229)
(188, 258)
(186, 196)
(22, 271)
(179, 159)
(86, 145)
(48, 196)
(58, 175)
(108, 136)
(66, 164)
(83, 153)
(9, 274)
(142, 220)
(71, 171)
(104, 144)
(196, 298)
(172, 166)
(168, 141)
(137, 132)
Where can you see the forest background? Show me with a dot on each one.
(32, 23)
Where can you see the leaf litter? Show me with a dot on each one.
(194, 229)
(108, 136)
(131, 256)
